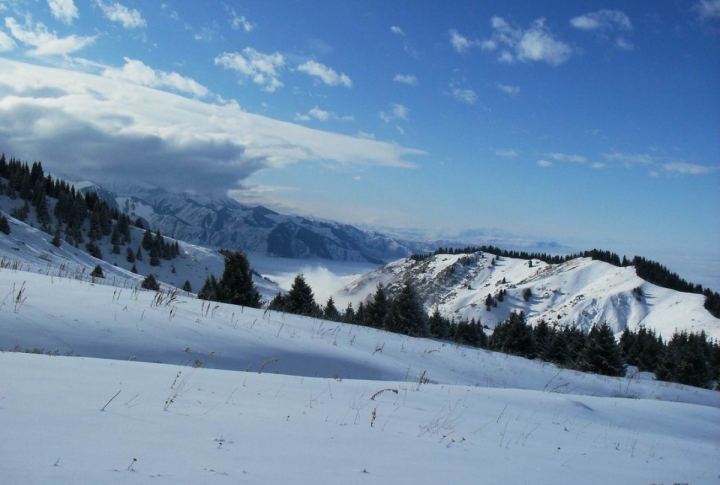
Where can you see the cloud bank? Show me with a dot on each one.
(111, 128)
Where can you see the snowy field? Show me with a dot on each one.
(163, 389)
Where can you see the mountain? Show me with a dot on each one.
(579, 292)
(225, 223)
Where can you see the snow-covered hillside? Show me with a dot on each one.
(334, 403)
(31, 250)
(579, 292)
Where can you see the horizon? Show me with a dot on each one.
(584, 125)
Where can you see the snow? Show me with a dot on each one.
(101, 382)
(579, 292)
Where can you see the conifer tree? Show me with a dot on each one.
(330, 312)
(150, 283)
(4, 225)
(406, 314)
(602, 353)
(439, 326)
(236, 285)
(377, 309)
(300, 298)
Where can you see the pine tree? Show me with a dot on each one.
(187, 287)
(439, 326)
(330, 311)
(97, 272)
(406, 314)
(300, 298)
(150, 283)
(4, 225)
(209, 289)
(236, 285)
(602, 354)
(129, 255)
(377, 309)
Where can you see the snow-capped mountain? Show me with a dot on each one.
(225, 223)
(579, 292)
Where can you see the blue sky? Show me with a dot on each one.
(589, 123)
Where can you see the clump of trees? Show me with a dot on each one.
(236, 285)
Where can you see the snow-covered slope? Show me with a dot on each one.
(30, 249)
(579, 292)
(351, 405)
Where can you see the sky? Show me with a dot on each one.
(587, 123)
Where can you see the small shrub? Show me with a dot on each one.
(150, 283)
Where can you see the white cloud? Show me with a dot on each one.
(45, 43)
(506, 153)
(261, 68)
(511, 90)
(459, 42)
(688, 168)
(365, 136)
(397, 30)
(325, 74)
(406, 79)
(623, 44)
(536, 44)
(112, 128)
(400, 129)
(63, 10)
(462, 94)
(137, 72)
(598, 165)
(602, 20)
(631, 160)
(321, 115)
(544, 163)
(6, 43)
(707, 9)
(238, 22)
(115, 12)
(398, 112)
(562, 157)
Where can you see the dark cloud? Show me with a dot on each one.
(66, 144)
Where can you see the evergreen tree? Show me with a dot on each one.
(602, 353)
(377, 309)
(150, 283)
(154, 256)
(330, 311)
(187, 287)
(439, 326)
(129, 255)
(4, 225)
(209, 289)
(349, 315)
(514, 336)
(97, 272)
(406, 314)
(236, 285)
(278, 303)
(300, 299)
(147, 240)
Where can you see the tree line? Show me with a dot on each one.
(76, 218)
(686, 358)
